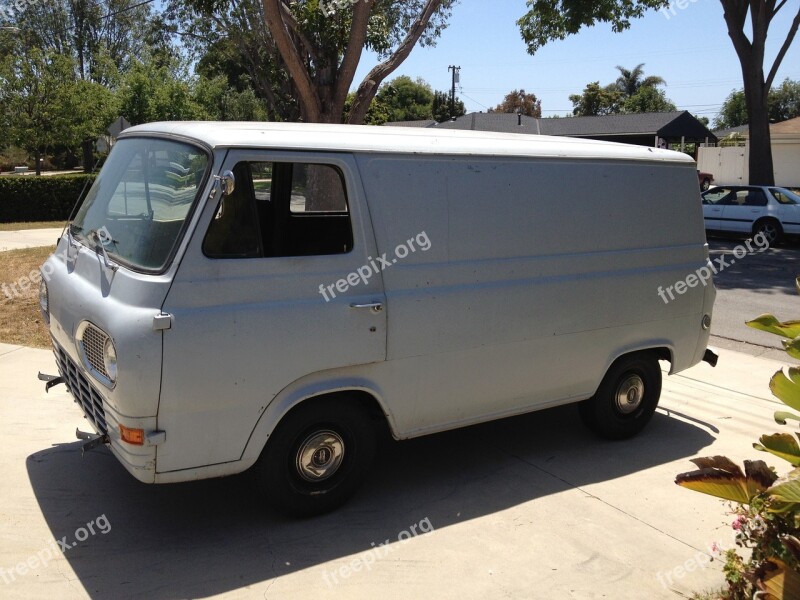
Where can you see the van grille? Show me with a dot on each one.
(90, 401)
(93, 340)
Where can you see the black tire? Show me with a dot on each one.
(317, 457)
(771, 229)
(706, 184)
(626, 399)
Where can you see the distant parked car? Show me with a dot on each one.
(706, 179)
(752, 209)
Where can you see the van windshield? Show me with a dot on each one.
(139, 202)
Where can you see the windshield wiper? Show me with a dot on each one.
(95, 237)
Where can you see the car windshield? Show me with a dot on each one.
(139, 202)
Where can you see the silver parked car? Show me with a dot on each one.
(752, 209)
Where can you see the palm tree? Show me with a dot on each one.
(631, 81)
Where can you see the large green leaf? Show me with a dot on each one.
(719, 476)
(783, 445)
(768, 323)
(787, 389)
(787, 489)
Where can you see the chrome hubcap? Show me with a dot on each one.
(630, 394)
(320, 456)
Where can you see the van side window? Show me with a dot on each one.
(282, 209)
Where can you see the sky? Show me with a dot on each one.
(691, 50)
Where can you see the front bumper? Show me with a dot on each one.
(140, 461)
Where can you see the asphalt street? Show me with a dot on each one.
(758, 283)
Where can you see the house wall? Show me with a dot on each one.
(730, 166)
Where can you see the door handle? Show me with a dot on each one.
(373, 306)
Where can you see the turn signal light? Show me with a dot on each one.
(132, 436)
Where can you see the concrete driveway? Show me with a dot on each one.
(28, 238)
(531, 507)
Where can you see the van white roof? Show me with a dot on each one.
(398, 140)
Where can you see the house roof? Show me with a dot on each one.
(669, 125)
(395, 140)
(722, 133)
(792, 126)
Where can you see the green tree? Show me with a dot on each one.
(149, 92)
(758, 80)
(221, 102)
(518, 101)
(597, 101)
(648, 99)
(441, 107)
(406, 99)
(784, 104)
(547, 21)
(35, 101)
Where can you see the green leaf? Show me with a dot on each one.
(768, 323)
(719, 476)
(787, 389)
(792, 347)
(787, 489)
(782, 445)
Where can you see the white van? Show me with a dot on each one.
(237, 295)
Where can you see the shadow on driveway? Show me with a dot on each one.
(210, 537)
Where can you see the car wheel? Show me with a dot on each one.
(706, 184)
(317, 457)
(771, 230)
(626, 399)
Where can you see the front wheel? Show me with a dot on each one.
(316, 458)
(626, 399)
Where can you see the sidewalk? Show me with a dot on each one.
(28, 238)
(530, 507)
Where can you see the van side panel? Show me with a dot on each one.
(540, 273)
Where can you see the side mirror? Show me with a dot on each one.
(227, 183)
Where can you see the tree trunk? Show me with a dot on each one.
(761, 166)
(87, 146)
(38, 159)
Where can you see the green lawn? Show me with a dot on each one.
(35, 225)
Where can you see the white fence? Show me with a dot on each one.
(730, 165)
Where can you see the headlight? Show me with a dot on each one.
(44, 300)
(110, 360)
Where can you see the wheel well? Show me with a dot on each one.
(363, 400)
(660, 353)
(768, 219)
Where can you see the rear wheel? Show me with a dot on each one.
(771, 229)
(316, 458)
(626, 399)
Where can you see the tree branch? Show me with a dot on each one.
(369, 87)
(784, 49)
(309, 100)
(355, 47)
(295, 27)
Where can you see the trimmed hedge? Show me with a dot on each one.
(26, 198)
